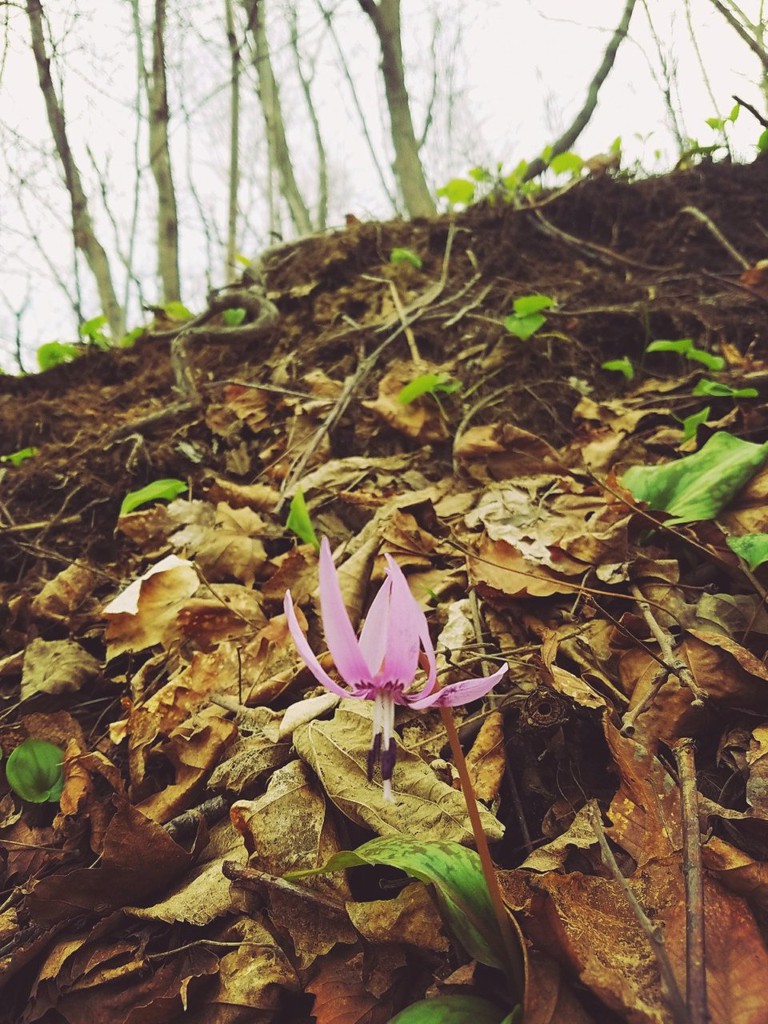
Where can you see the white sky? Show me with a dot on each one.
(521, 73)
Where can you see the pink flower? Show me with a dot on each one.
(381, 665)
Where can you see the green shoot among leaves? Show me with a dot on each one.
(692, 423)
(622, 365)
(752, 547)
(16, 458)
(177, 311)
(54, 353)
(233, 317)
(686, 347)
(699, 486)
(714, 389)
(299, 522)
(405, 256)
(428, 384)
(158, 490)
(527, 317)
(567, 163)
(34, 771)
(458, 192)
(92, 334)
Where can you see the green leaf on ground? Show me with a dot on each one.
(16, 458)
(686, 347)
(692, 423)
(428, 384)
(752, 547)
(714, 389)
(234, 317)
(698, 486)
(158, 490)
(34, 771)
(451, 1010)
(405, 256)
(299, 522)
(622, 365)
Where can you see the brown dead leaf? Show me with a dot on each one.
(499, 568)
(486, 760)
(226, 545)
(259, 497)
(410, 918)
(61, 597)
(56, 666)
(341, 995)
(500, 451)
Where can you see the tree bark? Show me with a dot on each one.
(82, 226)
(234, 140)
(409, 171)
(277, 143)
(567, 139)
(160, 164)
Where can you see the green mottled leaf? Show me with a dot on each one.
(622, 365)
(457, 875)
(428, 384)
(752, 547)
(16, 458)
(451, 1010)
(158, 490)
(34, 771)
(698, 486)
(233, 317)
(298, 521)
(405, 256)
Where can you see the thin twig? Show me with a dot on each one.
(717, 233)
(674, 664)
(256, 881)
(696, 974)
(653, 933)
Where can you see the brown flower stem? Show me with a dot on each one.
(512, 943)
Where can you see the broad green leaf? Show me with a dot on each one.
(54, 353)
(457, 875)
(698, 486)
(692, 423)
(451, 1010)
(405, 256)
(686, 347)
(428, 384)
(762, 142)
(715, 389)
(234, 317)
(158, 490)
(566, 163)
(458, 190)
(92, 327)
(752, 547)
(622, 365)
(16, 458)
(528, 304)
(177, 311)
(523, 327)
(34, 771)
(299, 522)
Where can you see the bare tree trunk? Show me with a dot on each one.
(409, 172)
(277, 143)
(160, 164)
(234, 140)
(321, 220)
(82, 225)
(569, 136)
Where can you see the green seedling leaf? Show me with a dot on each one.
(428, 384)
(529, 304)
(686, 347)
(54, 353)
(523, 327)
(16, 458)
(457, 876)
(34, 771)
(177, 311)
(405, 256)
(698, 486)
(480, 174)
(566, 163)
(298, 521)
(762, 142)
(129, 340)
(752, 547)
(714, 389)
(458, 190)
(92, 328)
(513, 180)
(234, 317)
(622, 365)
(451, 1010)
(692, 423)
(158, 490)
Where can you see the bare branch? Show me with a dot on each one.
(733, 21)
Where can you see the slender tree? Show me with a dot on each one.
(409, 172)
(83, 230)
(234, 139)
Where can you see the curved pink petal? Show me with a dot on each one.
(306, 652)
(339, 634)
(457, 693)
(401, 656)
(373, 638)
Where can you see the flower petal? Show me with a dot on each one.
(339, 634)
(458, 693)
(401, 656)
(373, 638)
(306, 652)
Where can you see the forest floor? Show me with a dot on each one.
(201, 759)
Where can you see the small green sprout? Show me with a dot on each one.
(405, 256)
(16, 458)
(177, 311)
(92, 334)
(159, 490)
(458, 192)
(622, 365)
(234, 317)
(54, 353)
(714, 389)
(527, 317)
(428, 384)
(692, 423)
(567, 163)
(34, 771)
(686, 347)
(717, 124)
(299, 521)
